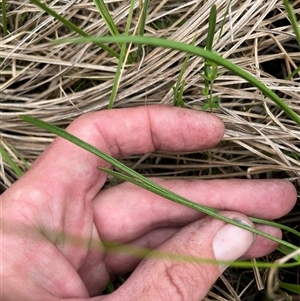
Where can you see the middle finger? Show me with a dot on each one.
(126, 212)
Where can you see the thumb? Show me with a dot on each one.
(164, 279)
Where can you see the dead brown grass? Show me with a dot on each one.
(60, 82)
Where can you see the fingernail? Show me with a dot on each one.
(231, 242)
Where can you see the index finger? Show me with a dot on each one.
(119, 132)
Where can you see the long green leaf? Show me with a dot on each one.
(211, 27)
(72, 26)
(146, 183)
(208, 55)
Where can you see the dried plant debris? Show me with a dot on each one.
(60, 82)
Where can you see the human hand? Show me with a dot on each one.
(55, 220)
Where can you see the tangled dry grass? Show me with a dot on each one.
(58, 83)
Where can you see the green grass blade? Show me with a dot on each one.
(110, 288)
(294, 288)
(141, 28)
(208, 68)
(10, 162)
(212, 19)
(287, 250)
(178, 90)
(72, 26)
(117, 77)
(102, 8)
(208, 55)
(142, 252)
(224, 19)
(4, 21)
(276, 225)
(125, 177)
(293, 19)
(147, 184)
(121, 61)
(293, 73)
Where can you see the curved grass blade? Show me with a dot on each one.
(142, 181)
(208, 55)
(72, 26)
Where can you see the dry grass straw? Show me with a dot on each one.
(58, 83)
(273, 279)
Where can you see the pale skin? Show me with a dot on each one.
(56, 216)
